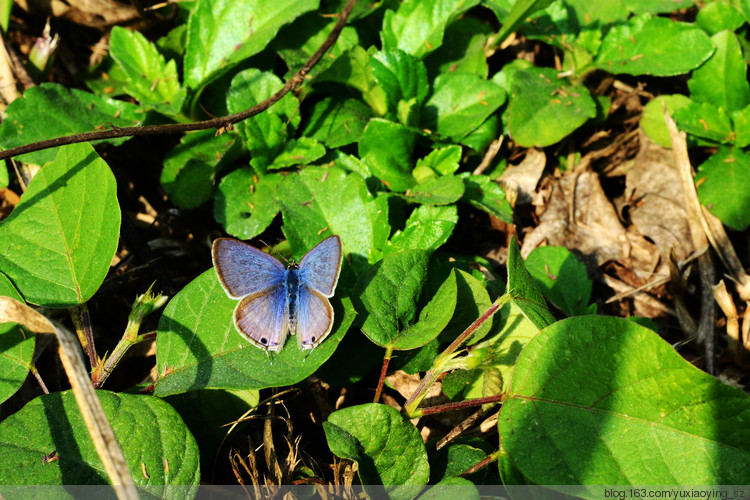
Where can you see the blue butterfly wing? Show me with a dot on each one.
(262, 318)
(320, 267)
(314, 317)
(243, 269)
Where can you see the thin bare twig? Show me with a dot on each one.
(219, 123)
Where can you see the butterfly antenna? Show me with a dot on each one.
(273, 252)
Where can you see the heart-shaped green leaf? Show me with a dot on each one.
(198, 346)
(157, 445)
(57, 244)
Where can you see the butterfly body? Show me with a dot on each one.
(274, 300)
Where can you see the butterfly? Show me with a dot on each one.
(275, 300)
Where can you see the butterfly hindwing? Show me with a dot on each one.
(262, 318)
(243, 269)
(314, 317)
(320, 267)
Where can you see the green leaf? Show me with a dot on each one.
(4, 179)
(151, 434)
(652, 119)
(460, 103)
(722, 186)
(518, 13)
(57, 244)
(16, 348)
(484, 194)
(741, 121)
(266, 134)
(544, 109)
(388, 450)
(223, 32)
(562, 278)
(451, 461)
(150, 79)
(450, 488)
(587, 390)
(354, 68)
(721, 81)
(245, 204)
(337, 122)
(198, 347)
(428, 228)
(328, 200)
(705, 120)
(396, 308)
(463, 49)
(403, 78)
(523, 291)
(190, 167)
(654, 46)
(51, 110)
(300, 151)
(472, 300)
(440, 161)
(417, 26)
(719, 16)
(437, 191)
(386, 148)
(657, 6)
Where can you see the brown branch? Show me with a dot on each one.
(176, 128)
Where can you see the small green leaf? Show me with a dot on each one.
(245, 204)
(403, 77)
(437, 191)
(463, 49)
(741, 121)
(190, 167)
(428, 228)
(450, 488)
(395, 307)
(451, 461)
(518, 13)
(722, 186)
(337, 122)
(386, 148)
(198, 347)
(4, 179)
(151, 434)
(705, 120)
(460, 102)
(719, 16)
(150, 79)
(388, 450)
(721, 81)
(657, 6)
(266, 134)
(652, 119)
(57, 244)
(51, 110)
(328, 200)
(472, 299)
(562, 278)
(544, 108)
(16, 348)
(654, 46)
(587, 390)
(486, 195)
(417, 26)
(223, 32)
(300, 151)
(523, 290)
(440, 161)
(354, 68)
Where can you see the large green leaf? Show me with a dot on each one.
(16, 348)
(157, 445)
(57, 244)
(388, 450)
(721, 81)
(224, 32)
(386, 148)
(722, 186)
(51, 110)
(598, 400)
(198, 346)
(654, 46)
(544, 108)
(245, 204)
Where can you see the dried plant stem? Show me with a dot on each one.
(82, 321)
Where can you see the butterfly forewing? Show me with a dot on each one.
(320, 267)
(243, 269)
(262, 318)
(314, 317)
